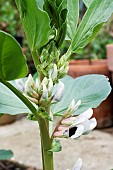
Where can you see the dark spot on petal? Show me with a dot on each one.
(72, 131)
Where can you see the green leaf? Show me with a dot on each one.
(56, 146)
(72, 17)
(12, 60)
(87, 3)
(90, 89)
(96, 15)
(5, 154)
(35, 21)
(10, 103)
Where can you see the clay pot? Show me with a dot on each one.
(109, 51)
(103, 113)
(6, 119)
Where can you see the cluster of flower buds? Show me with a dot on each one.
(72, 126)
(52, 65)
(40, 92)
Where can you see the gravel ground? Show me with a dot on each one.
(96, 149)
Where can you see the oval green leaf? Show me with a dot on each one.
(35, 21)
(12, 61)
(90, 89)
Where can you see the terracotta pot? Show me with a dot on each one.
(109, 51)
(104, 113)
(6, 119)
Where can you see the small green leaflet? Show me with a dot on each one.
(5, 154)
(56, 146)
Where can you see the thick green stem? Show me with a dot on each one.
(47, 157)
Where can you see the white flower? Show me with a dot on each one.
(75, 126)
(81, 125)
(20, 85)
(78, 165)
(29, 84)
(59, 92)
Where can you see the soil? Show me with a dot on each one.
(11, 165)
(95, 149)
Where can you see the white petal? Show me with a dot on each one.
(45, 92)
(86, 125)
(72, 104)
(88, 113)
(79, 132)
(37, 84)
(20, 85)
(45, 81)
(59, 92)
(29, 83)
(77, 105)
(50, 85)
(93, 123)
(78, 165)
(79, 120)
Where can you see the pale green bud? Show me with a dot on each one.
(55, 72)
(50, 85)
(45, 81)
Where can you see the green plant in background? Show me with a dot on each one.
(47, 25)
(9, 19)
(97, 48)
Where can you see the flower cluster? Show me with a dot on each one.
(73, 126)
(40, 92)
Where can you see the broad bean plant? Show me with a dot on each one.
(47, 24)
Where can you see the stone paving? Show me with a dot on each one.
(96, 149)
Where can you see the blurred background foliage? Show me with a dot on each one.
(10, 22)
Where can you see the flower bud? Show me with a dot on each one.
(59, 92)
(72, 108)
(50, 85)
(45, 92)
(37, 85)
(58, 134)
(45, 81)
(68, 121)
(32, 99)
(54, 73)
(29, 84)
